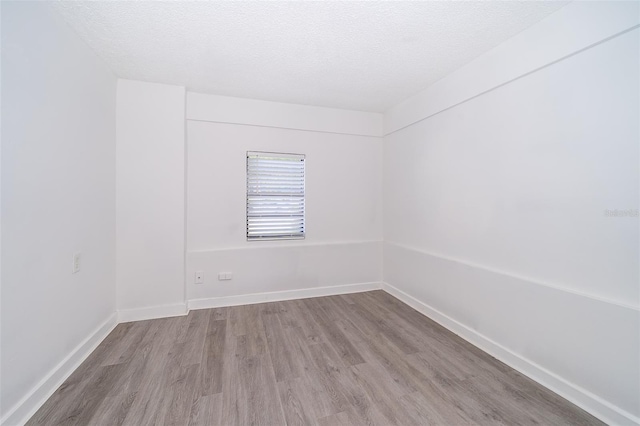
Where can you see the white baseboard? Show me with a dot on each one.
(277, 296)
(32, 401)
(152, 312)
(584, 399)
(591, 403)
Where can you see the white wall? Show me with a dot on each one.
(495, 206)
(253, 112)
(565, 32)
(343, 194)
(150, 200)
(58, 197)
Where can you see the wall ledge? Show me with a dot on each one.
(284, 244)
(597, 298)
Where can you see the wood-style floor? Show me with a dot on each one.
(356, 359)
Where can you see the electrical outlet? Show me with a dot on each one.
(76, 263)
(199, 277)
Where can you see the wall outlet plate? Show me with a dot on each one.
(76, 263)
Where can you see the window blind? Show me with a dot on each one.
(275, 196)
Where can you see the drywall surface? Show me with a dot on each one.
(574, 27)
(500, 213)
(294, 268)
(343, 208)
(150, 197)
(58, 198)
(224, 109)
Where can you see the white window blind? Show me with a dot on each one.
(275, 196)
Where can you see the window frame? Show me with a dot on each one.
(302, 216)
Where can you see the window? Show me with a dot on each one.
(275, 196)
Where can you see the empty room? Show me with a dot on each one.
(320, 213)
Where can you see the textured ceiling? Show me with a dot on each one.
(356, 55)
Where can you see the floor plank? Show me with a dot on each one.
(285, 361)
(213, 357)
(206, 410)
(357, 359)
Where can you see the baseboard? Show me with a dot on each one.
(276, 296)
(152, 312)
(591, 403)
(584, 399)
(33, 400)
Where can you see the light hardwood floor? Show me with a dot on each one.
(363, 358)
